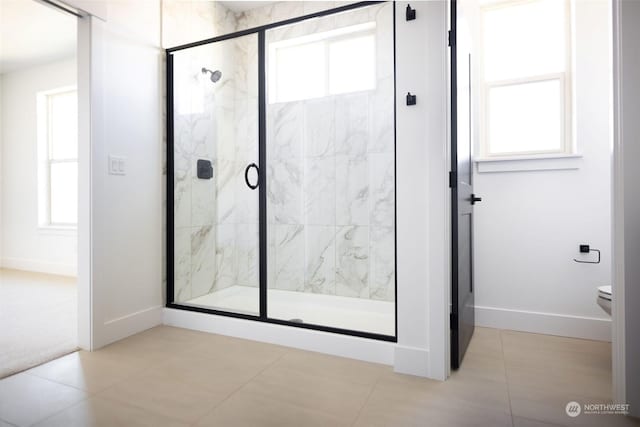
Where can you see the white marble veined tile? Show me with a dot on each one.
(352, 190)
(182, 264)
(182, 198)
(224, 19)
(203, 270)
(225, 176)
(382, 263)
(285, 131)
(381, 118)
(356, 16)
(352, 261)
(273, 12)
(176, 18)
(201, 25)
(225, 146)
(182, 145)
(289, 268)
(383, 15)
(382, 181)
(203, 135)
(246, 129)
(320, 190)
(284, 192)
(251, 65)
(352, 123)
(226, 261)
(203, 200)
(304, 28)
(319, 127)
(247, 247)
(320, 254)
(246, 199)
(309, 7)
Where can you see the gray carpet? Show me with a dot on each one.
(38, 319)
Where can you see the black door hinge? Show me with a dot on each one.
(451, 40)
(453, 321)
(453, 178)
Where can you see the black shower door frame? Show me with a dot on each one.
(262, 189)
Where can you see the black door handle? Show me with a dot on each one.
(475, 199)
(246, 176)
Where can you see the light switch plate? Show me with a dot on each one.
(117, 165)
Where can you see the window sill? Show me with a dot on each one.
(529, 163)
(58, 230)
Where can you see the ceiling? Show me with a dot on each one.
(32, 33)
(242, 6)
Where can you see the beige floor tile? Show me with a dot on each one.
(220, 375)
(568, 382)
(97, 412)
(323, 365)
(244, 351)
(90, 371)
(26, 399)
(549, 406)
(531, 350)
(481, 366)
(259, 409)
(153, 391)
(526, 422)
(337, 397)
(486, 342)
(156, 345)
(400, 400)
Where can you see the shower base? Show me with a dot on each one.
(325, 310)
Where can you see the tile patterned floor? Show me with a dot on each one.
(175, 377)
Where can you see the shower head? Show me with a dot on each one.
(215, 75)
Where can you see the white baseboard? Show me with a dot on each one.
(368, 350)
(131, 324)
(39, 266)
(411, 361)
(591, 328)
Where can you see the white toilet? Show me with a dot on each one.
(604, 298)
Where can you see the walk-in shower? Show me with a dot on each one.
(281, 190)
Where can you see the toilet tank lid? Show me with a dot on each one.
(605, 289)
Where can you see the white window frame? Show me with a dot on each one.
(45, 161)
(327, 38)
(568, 148)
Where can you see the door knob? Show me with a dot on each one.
(475, 199)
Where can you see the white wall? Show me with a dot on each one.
(530, 223)
(626, 351)
(1, 179)
(24, 245)
(123, 250)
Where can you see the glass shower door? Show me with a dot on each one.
(330, 152)
(215, 174)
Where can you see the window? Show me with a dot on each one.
(323, 64)
(58, 157)
(526, 79)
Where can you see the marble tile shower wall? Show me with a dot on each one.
(215, 220)
(331, 166)
(331, 184)
(198, 110)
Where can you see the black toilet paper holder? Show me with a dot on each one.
(585, 249)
